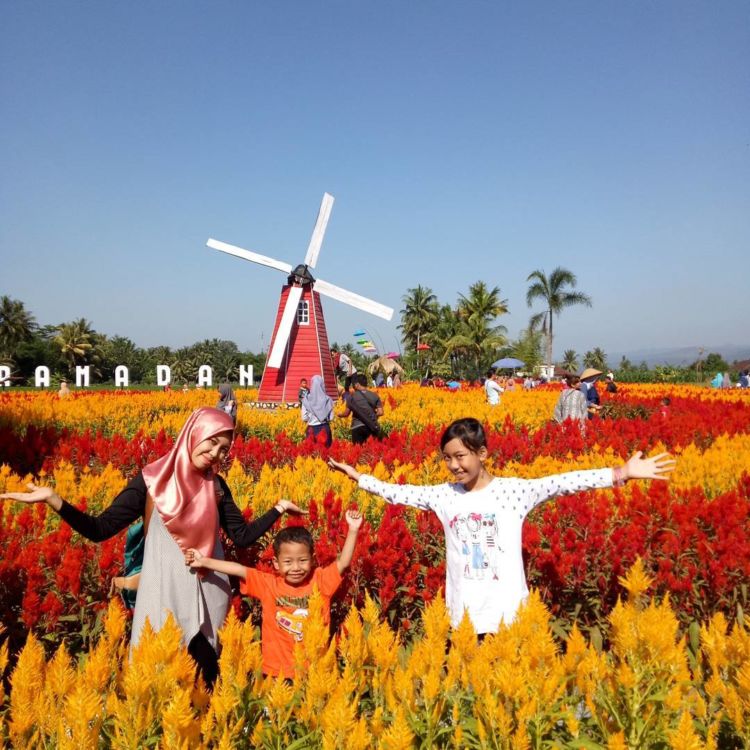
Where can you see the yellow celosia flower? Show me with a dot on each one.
(684, 737)
(636, 582)
(398, 736)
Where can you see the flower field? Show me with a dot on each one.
(635, 635)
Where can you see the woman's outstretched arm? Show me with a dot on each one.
(128, 506)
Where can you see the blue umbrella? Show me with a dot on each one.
(507, 363)
(358, 332)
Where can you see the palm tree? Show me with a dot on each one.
(556, 297)
(79, 343)
(475, 338)
(17, 325)
(482, 304)
(420, 313)
(570, 360)
(596, 359)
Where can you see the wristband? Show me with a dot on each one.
(618, 480)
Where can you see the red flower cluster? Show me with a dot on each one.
(690, 420)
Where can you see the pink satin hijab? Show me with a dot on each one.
(184, 497)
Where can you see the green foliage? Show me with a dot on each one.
(595, 358)
(527, 347)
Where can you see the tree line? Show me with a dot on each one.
(459, 341)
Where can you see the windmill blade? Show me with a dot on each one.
(355, 300)
(279, 265)
(313, 250)
(285, 327)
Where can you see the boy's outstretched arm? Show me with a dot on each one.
(354, 520)
(194, 559)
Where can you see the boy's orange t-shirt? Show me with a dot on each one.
(284, 612)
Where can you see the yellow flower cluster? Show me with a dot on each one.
(409, 407)
(515, 689)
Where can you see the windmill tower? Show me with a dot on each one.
(299, 344)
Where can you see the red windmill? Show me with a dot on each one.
(299, 345)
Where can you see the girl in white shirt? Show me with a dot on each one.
(483, 517)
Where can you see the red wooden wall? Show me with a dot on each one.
(307, 353)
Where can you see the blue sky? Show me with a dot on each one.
(462, 141)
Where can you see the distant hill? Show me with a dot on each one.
(684, 355)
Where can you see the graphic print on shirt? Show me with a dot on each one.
(478, 535)
(292, 622)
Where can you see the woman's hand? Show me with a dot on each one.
(350, 471)
(656, 467)
(35, 495)
(287, 506)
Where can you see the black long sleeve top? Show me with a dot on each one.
(130, 505)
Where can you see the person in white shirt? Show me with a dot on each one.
(492, 389)
(483, 516)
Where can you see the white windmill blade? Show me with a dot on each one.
(285, 327)
(355, 300)
(279, 265)
(313, 250)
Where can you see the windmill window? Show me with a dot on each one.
(303, 313)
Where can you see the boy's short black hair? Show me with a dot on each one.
(469, 431)
(360, 379)
(293, 535)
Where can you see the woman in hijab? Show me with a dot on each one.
(317, 412)
(227, 401)
(183, 502)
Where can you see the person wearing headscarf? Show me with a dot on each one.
(317, 412)
(717, 381)
(183, 503)
(227, 401)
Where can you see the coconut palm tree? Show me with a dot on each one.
(475, 338)
(554, 290)
(17, 326)
(420, 313)
(79, 343)
(482, 305)
(595, 358)
(569, 360)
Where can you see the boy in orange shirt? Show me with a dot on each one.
(284, 595)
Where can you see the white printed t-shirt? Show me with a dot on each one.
(484, 562)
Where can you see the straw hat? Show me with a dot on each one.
(590, 372)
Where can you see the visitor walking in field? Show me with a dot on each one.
(492, 389)
(317, 412)
(572, 403)
(482, 517)
(365, 409)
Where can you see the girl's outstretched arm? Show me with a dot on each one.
(424, 497)
(637, 467)
(350, 471)
(532, 492)
(194, 559)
